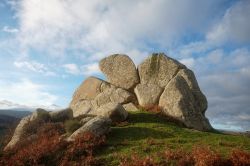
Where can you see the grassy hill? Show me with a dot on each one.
(145, 138)
(149, 134)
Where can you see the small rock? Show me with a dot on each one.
(98, 126)
(112, 110)
(130, 107)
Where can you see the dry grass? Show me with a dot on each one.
(50, 149)
(199, 156)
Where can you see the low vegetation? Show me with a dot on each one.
(145, 139)
(146, 135)
(50, 149)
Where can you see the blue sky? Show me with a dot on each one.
(48, 47)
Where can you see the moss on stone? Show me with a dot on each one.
(154, 64)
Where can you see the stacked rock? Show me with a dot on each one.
(158, 81)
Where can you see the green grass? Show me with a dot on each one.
(148, 133)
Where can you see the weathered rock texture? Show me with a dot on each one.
(130, 107)
(148, 94)
(158, 69)
(98, 126)
(89, 89)
(178, 101)
(114, 111)
(120, 71)
(159, 80)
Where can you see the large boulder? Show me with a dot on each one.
(148, 94)
(120, 71)
(81, 107)
(114, 111)
(200, 98)
(178, 101)
(88, 90)
(158, 69)
(97, 126)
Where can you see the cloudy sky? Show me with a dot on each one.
(48, 47)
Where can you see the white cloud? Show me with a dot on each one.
(9, 29)
(26, 92)
(86, 70)
(108, 26)
(34, 67)
(225, 78)
(234, 26)
(189, 62)
(90, 69)
(72, 69)
(215, 56)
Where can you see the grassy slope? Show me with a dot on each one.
(148, 133)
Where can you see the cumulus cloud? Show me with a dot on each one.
(34, 67)
(189, 62)
(234, 26)
(72, 69)
(224, 78)
(9, 29)
(106, 27)
(26, 92)
(86, 70)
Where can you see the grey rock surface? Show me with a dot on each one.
(81, 107)
(178, 102)
(116, 95)
(98, 126)
(200, 98)
(158, 69)
(130, 107)
(148, 94)
(120, 71)
(89, 89)
(114, 111)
